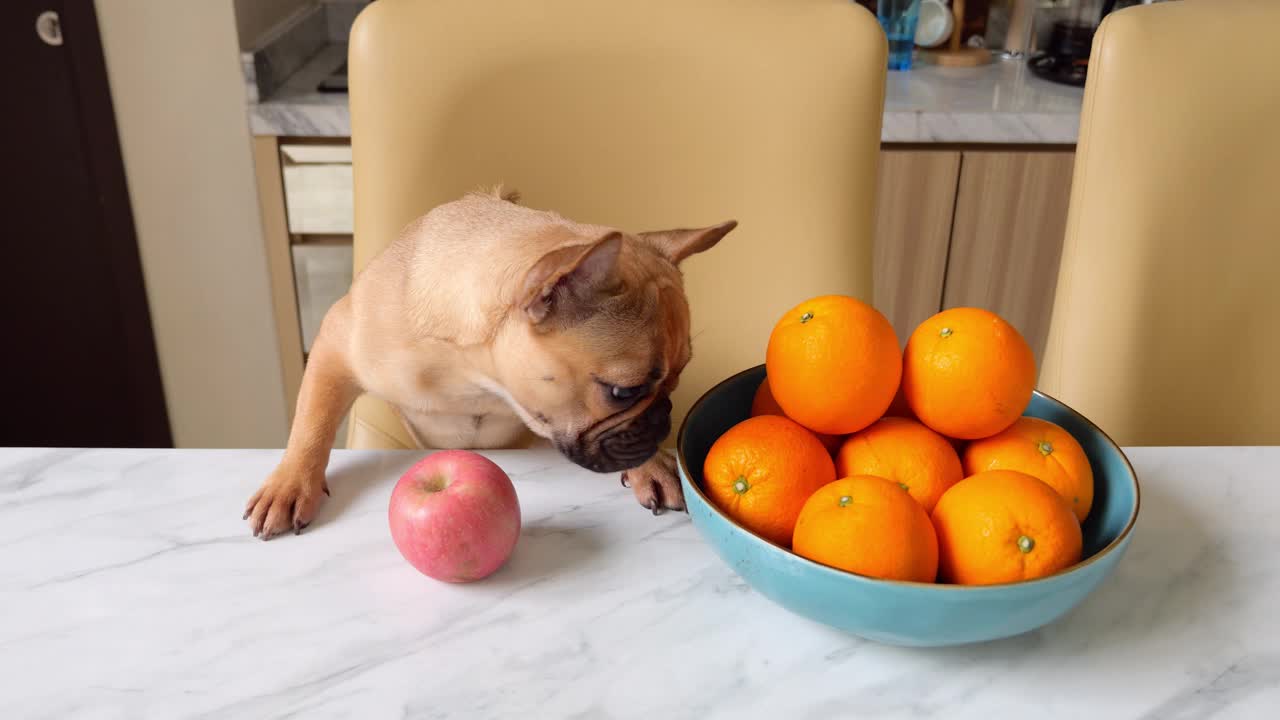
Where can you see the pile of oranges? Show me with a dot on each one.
(905, 465)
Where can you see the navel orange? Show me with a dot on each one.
(1003, 526)
(870, 526)
(764, 404)
(967, 373)
(1042, 450)
(906, 452)
(833, 364)
(762, 470)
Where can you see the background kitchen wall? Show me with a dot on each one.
(179, 96)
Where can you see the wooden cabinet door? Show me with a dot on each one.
(1006, 240)
(916, 197)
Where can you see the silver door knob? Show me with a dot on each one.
(49, 28)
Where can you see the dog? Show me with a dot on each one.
(486, 321)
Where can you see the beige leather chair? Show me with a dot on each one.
(641, 115)
(1166, 323)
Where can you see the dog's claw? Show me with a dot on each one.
(286, 500)
(656, 485)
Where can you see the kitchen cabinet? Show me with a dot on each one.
(317, 188)
(304, 192)
(1006, 239)
(916, 192)
(971, 227)
(322, 275)
(275, 234)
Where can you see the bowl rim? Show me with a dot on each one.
(926, 586)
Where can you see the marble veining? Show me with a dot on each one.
(1000, 103)
(130, 588)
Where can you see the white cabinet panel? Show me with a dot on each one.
(322, 273)
(317, 189)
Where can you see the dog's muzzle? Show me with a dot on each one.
(626, 446)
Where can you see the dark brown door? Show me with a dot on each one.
(77, 355)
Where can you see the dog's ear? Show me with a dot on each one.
(676, 245)
(566, 283)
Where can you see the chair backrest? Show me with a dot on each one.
(640, 115)
(1166, 322)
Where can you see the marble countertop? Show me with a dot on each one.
(1000, 103)
(130, 588)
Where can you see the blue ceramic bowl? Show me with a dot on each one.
(907, 613)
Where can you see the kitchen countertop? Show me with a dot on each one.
(131, 588)
(1000, 103)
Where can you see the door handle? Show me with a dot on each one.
(49, 28)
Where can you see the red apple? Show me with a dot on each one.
(455, 516)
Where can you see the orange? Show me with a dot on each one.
(967, 373)
(833, 364)
(1003, 526)
(868, 525)
(903, 451)
(762, 470)
(764, 404)
(1042, 450)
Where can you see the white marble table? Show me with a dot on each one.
(999, 103)
(130, 588)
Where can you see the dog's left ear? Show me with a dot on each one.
(676, 245)
(567, 282)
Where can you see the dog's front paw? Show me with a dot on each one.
(656, 484)
(288, 499)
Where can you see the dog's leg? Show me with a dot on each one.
(656, 483)
(291, 494)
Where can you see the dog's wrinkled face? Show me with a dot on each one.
(605, 337)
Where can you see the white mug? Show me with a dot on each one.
(935, 23)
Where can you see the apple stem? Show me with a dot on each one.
(435, 483)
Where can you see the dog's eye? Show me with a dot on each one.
(628, 393)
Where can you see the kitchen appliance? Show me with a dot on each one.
(1064, 58)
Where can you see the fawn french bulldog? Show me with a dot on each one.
(485, 321)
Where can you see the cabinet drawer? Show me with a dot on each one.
(322, 274)
(317, 189)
